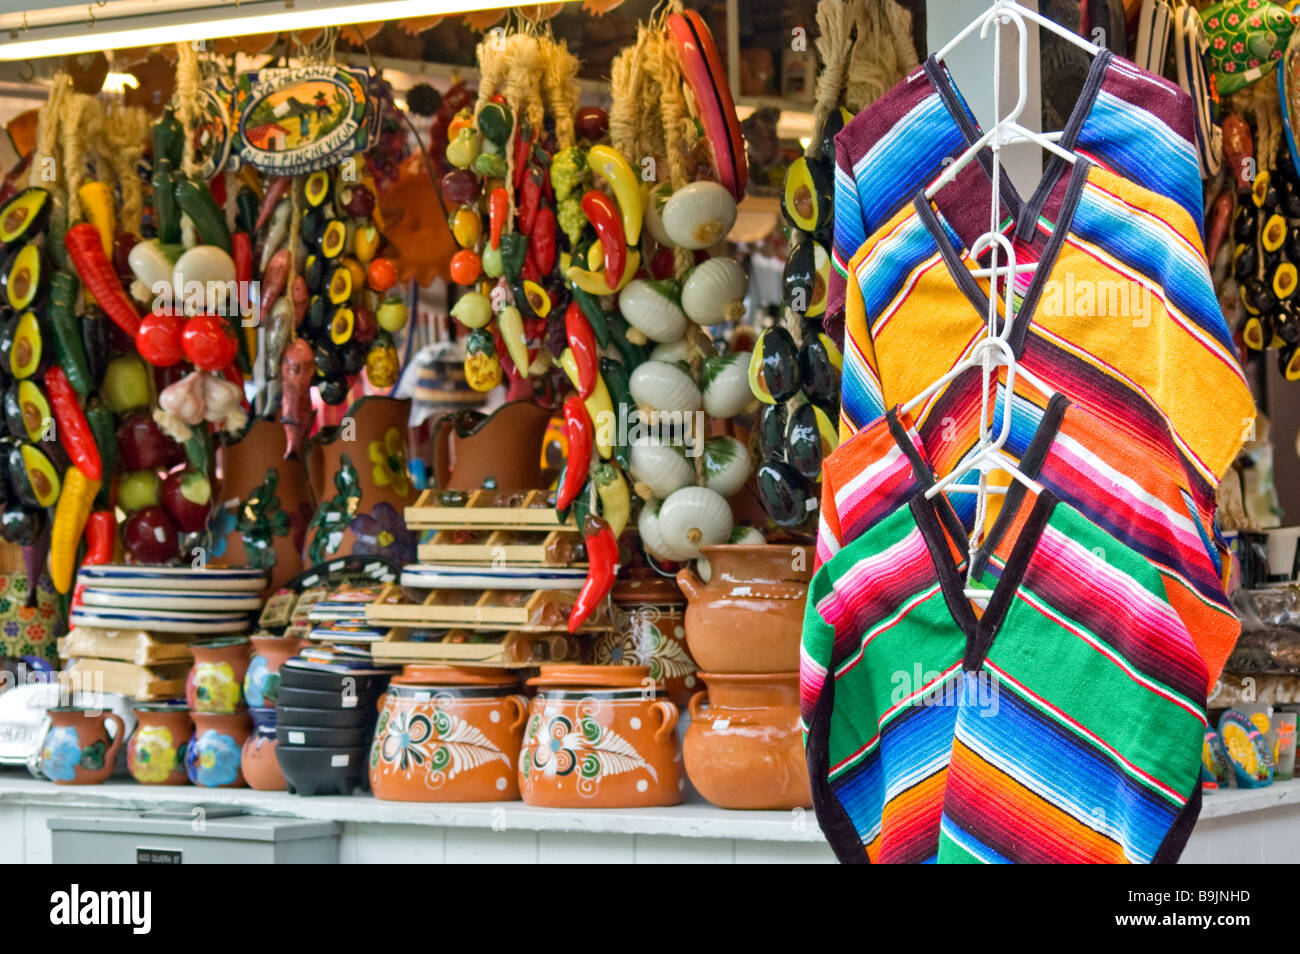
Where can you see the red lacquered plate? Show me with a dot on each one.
(702, 68)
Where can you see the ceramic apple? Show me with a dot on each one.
(187, 498)
(150, 535)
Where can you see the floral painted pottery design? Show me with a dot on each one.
(650, 631)
(448, 734)
(362, 481)
(749, 616)
(262, 681)
(1247, 38)
(467, 448)
(600, 737)
(744, 749)
(213, 756)
(78, 749)
(215, 682)
(155, 755)
(257, 757)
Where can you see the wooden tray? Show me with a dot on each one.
(479, 512)
(487, 547)
(535, 611)
(126, 645)
(514, 650)
(143, 683)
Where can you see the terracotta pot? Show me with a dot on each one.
(78, 749)
(257, 757)
(600, 737)
(749, 616)
(448, 734)
(213, 758)
(468, 448)
(262, 680)
(650, 621)
(215, 682)
(156, 753)
(362, 485)
(745, 749)
(244, 468)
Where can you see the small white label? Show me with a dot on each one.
(297, 738)
(339, 761)
(720, 724)
(422, 696)
(349, 702)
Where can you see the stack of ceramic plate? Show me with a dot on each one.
(131, 625)
(340, 617)
(325, 721)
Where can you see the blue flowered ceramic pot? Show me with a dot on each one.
(213, 757)
(262, 681)
(78, 749)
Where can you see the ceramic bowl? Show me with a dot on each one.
(312, 770)
(296, 677)
(357, 698)
(322, 736)
(324, 718)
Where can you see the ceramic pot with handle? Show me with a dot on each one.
(650, 631)
(216, 680)
(448, 734)
(155, 755)
(468, 448)
(213, 758)
(600, 737)
(749, 616)
(78, 748)
(744, 747)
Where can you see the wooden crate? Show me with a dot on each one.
(481, 513)
(514, 650)
(126, 645)
(537, 611)
(486, 547)
(143, 683)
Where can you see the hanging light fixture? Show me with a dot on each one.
(114, 24)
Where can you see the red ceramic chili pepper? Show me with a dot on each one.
(582, 437)
(498, 205)
(101, 529)
(86, 251)
(541, 240)
(582, 342)
(241, 250)
(74, 430)
(530, 198)
(604, 215)
(522, 146)
(602, 564)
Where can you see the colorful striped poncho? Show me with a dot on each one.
(1127, 120)
(1063, 723)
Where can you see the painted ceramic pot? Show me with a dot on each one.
(600, 737)
(467, 448)
(262, 680)
(213, 757)
(155, 755)
(744, 748)
(257, 757)
(362, 483)
(78, 748)
(215, 682)
(650, 631)
(749, 616)
(263, 506)
(448, 734)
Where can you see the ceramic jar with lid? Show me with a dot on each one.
(448, 734)
(650, 631)
(749, 616)
(216, 681)
(600, 737)
(78, 749)
(155, 755)
(745, 749)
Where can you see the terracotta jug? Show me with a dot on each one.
(262, 681)
(256, 476)
(156, 753)
(504, 448)
(449, 734)
(257, 757)
(745, 748)
(215, 682)
(749, 616)
(78, 749)
(600, 737)
(362, 483)
(650, 621)
(213, 758)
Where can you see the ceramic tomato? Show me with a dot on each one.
(209, 343)
(381, 274)
(465, 267)
(159, 339)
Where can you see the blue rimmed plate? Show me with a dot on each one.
(142, 599)
(125, 576)
(160, 622)
(433, 576)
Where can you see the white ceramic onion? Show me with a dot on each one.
(151, 264)
(726, 384)
(664, 387)
(652, 535)
(672, 351)
(727, 465)
(694, 517)
(714, 291)
(699, 215)
(655, 199)
(651, 309)
(214, 272)
(661, 468)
